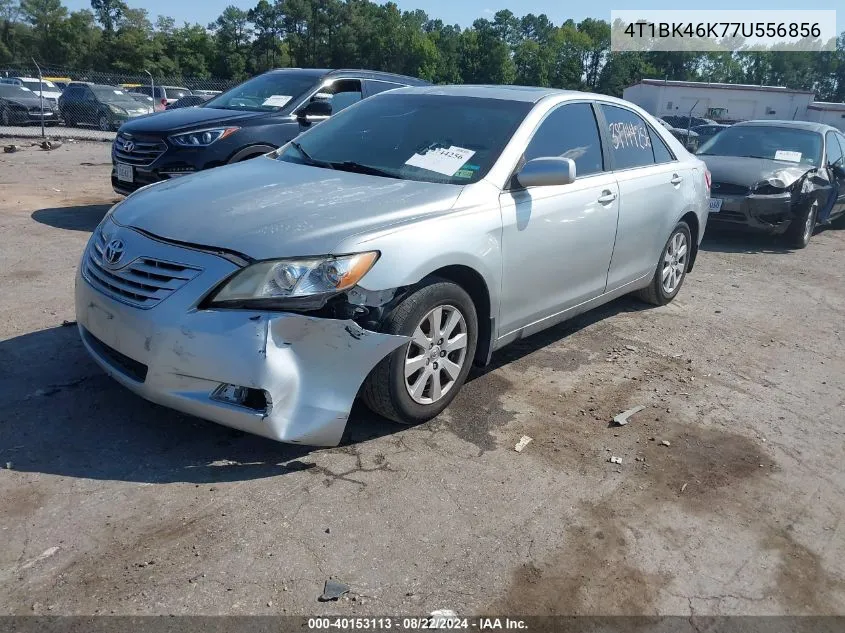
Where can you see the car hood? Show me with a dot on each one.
(170, 121)
(741, 170)
(266, 208)
(26, 101)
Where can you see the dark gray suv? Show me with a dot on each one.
(249, 120)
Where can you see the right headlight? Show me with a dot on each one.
(293, 282)
(202, 138)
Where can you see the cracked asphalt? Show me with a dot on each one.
(112, 505)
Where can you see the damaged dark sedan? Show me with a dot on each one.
(782, 177)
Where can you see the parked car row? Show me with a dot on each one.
(312, 236)
(87, 103)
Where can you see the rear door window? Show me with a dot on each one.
(834, 152)
(569, 131)
(373, 87)
(662, 154)
(176, 93)
(630, 139)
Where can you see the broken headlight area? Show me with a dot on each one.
(291, 284)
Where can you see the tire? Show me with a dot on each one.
(103, 123)
(658, 292)
(5, 119)
(385, 390)
(801, 229)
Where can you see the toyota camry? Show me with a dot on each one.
(384, 252)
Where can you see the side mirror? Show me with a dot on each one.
(547, 172)
(838, 169)
(316, 109)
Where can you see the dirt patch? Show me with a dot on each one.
(589, 575)
(803, 584)
(477, 412)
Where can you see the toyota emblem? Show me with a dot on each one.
(114, 252)
(128, 146)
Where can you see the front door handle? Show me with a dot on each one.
(607, 197)
(676, 179)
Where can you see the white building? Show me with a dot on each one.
(735, 102)
(828, 113)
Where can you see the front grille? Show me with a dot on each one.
(728, 189)
(143, 153)
(129, 366)
(143, 283)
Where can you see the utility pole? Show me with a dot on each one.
(152, 88)
(41, 94)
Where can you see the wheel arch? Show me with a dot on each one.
(251, 151)
(476, 287)
(694, 226)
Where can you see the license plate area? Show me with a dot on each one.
(715, 205)
(125, 173)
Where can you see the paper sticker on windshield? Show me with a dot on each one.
(464, 173)
(792, 157)
(118, 92)
(443, 160)
(277, 101)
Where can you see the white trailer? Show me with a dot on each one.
(734, 102)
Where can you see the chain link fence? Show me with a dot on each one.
(55, 102)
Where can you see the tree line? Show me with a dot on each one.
(507, 49)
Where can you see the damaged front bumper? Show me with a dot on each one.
(769, 213)
(302, 373)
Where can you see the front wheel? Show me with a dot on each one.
(671, 268)
(5, 118)
(103, 123)
(801, 229)
(419, 380)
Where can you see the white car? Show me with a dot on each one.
(50, 90)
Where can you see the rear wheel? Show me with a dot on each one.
(671, 268)
(801, 229)
(5, 117)
(419, 380)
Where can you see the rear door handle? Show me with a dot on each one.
(607, 197)
(676, 179)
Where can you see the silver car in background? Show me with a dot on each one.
(384, 252)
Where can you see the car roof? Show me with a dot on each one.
(809, 126)
(358, 73)
(525, 94)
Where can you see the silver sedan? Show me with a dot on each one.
(384, 252)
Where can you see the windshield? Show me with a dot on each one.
(266, 93)
(176, 93)
(10, 91)
(432, 138)
(107, 94)
(766, 141)
(32, 84)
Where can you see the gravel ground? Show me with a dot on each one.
(114, 505)
(58, 131)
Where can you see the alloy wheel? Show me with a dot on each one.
(674, 262)
(436, 354)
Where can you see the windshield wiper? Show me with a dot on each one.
(358, 168)
(308, 159)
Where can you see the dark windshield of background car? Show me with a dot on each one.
(176, 93)
(107, 94)
(386, 131)
(10, 91)
(764, 141)
(251, 94)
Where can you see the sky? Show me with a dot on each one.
(464, 12)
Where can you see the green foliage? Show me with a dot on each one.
(114, 37)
